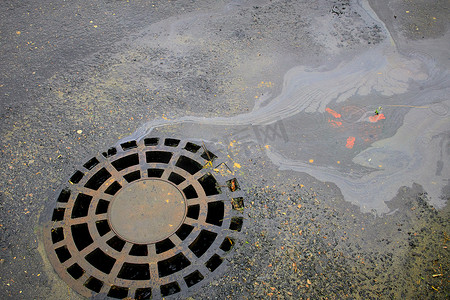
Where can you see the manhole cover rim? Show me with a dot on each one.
(227, 195)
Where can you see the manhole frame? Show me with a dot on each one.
(228, 195)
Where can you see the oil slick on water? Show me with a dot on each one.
(412, 147)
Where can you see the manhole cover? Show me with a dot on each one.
(146, 220)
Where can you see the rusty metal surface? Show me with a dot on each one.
(185, 195)
(147, 211)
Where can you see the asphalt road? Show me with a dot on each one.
(340, 202)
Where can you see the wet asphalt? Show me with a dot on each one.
(339, 202)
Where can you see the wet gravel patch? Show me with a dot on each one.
(302, 243)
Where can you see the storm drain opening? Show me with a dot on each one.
(145, 220)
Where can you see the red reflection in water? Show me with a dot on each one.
(350, 142)
(333, 113)
(376, 118)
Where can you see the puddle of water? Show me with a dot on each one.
(324, 123)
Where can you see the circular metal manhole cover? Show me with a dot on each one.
(147, 220)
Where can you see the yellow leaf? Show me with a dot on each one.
(208, 164)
